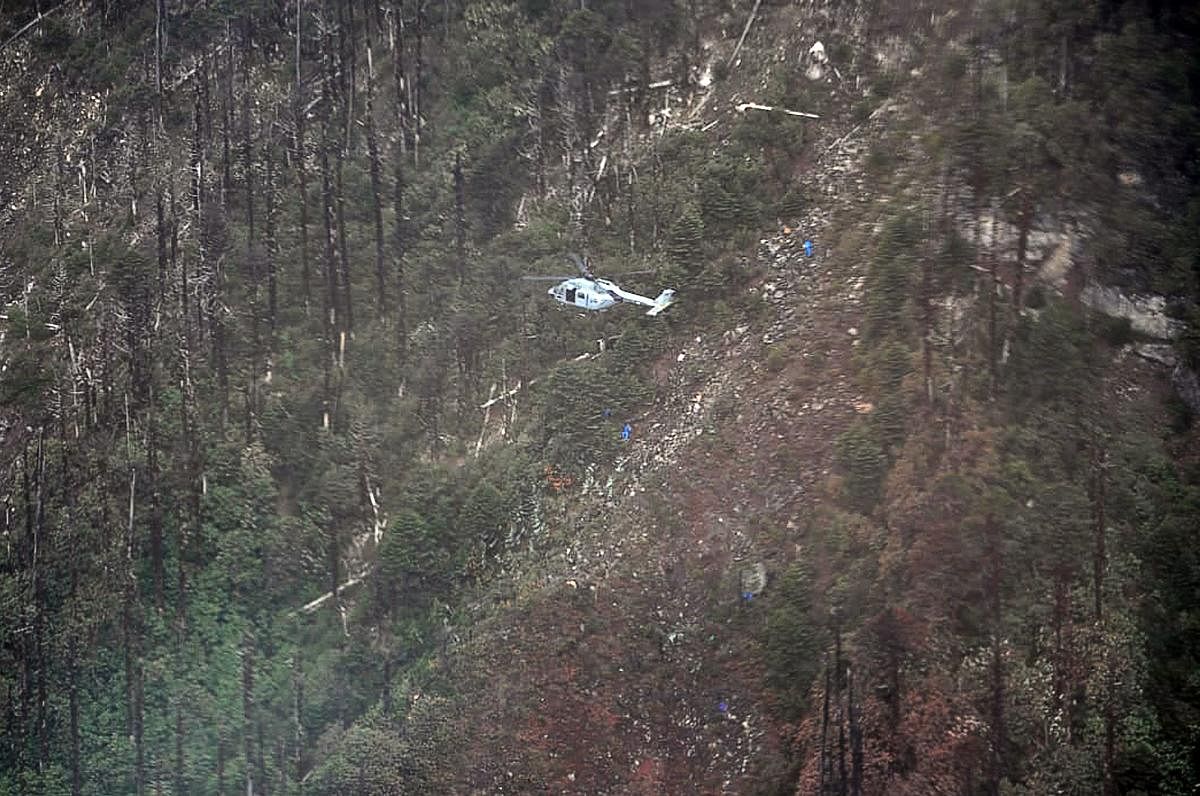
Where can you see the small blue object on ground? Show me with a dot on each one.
(747, 596)
(808, 247)
(723, 706)
(626, 432)
(608, 413)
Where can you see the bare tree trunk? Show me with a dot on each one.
(825, 766)
(398, 193)
(995, 567)
(344, 74)
(569, 127)
(25, 655)
(227, 119)
(156, 517)
(181, 784)
(331, 315)
(220, 761)
(281, 765)
(993, 284)
(260, 761)
(926, 304)
(418, 82)
(298, 716)
(856, 739)
(1058, 620)
(272, 244)
(301, 177)
(40, 662)
(190, 529)
(400, 82)
(248, 709)
(1099, 490)
(132, 634)
(160, 44)
(331, 198)
(343, 247)
(70, 485)
(73, 701)
(460, 221)
(376, 181)
(247, 135)
(352, 46)
(387, 682)
(161, 236)
(1024, 224)
(216, 320)
(1110, 747)
(60, 192)
(197, 169)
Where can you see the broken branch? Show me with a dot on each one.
(29, 25)
(745, 30)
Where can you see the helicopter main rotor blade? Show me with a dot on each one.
(575, 258)
(632, 273)
(546, 278)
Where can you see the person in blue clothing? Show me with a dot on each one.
(627, 432)
(808, 247)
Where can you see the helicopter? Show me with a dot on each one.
(589, 292)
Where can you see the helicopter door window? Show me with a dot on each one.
(570, 295)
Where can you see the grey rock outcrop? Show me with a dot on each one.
(1146, 314)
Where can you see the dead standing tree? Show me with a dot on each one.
(334, 321)
(376, 177)
(400, 146)
(299, 157)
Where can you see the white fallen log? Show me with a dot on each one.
(655, 85)
(309, 607)
(757, 107)
(502, 396)
(843, 139)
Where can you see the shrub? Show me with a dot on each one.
(777, 358)
(793, 641)
(1116, 332)
(861, 457)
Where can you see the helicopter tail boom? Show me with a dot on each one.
(664, 300)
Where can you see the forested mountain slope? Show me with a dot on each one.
(305, 491)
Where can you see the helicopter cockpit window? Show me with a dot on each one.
(570, 295)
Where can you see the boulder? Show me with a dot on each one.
(1146, 313)
(816, 62)
(1187, 384)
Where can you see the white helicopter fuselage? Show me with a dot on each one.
(582, 293)
(601, 294)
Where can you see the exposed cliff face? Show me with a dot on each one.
(1146, 314)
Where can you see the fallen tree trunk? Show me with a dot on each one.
(29, 25)
(755, 106)
(309, 607)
